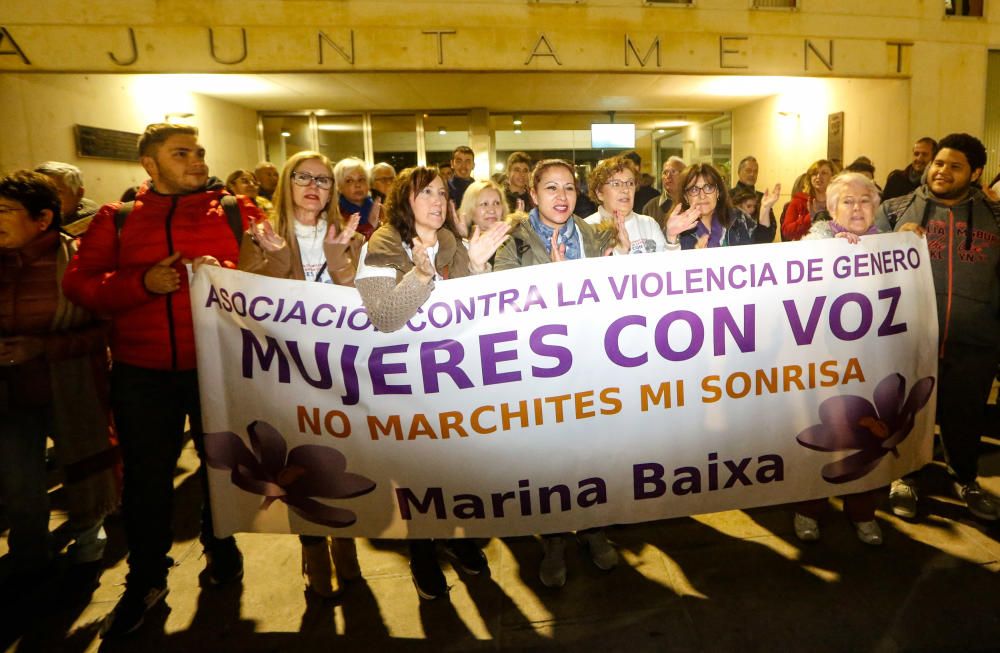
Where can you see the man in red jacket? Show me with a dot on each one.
(134, 268)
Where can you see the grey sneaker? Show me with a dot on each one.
(903, 498)
(869, 532)
(806, 528)
(602, 551)
(552, 572)
(979, 502)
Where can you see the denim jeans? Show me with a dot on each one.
(23, 484)
(150, 407)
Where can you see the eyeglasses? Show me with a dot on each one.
(250, 181)
(5, 210)
(617, 183)
(304, 179)
(384, 180)
(695, 191)
(863, 203)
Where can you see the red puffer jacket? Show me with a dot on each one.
(106, 276)
(796, 222)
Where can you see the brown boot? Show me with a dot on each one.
(317, 569)
(345, 558)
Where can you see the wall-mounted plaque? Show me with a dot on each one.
(106, 143)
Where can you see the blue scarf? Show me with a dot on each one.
(349, 208)
(567, 235)
(714, 236)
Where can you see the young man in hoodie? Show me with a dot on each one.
(962, 227)
(132, 267)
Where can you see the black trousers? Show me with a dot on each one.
(149, 409)
(965, 375)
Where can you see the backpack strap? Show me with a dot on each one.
(232, 208)
(121, 214)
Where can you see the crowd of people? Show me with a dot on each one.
(76, 280)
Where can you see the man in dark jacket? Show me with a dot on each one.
(962, 227)
(136, 271)
(659, 207)
(746, 179)
(903, 182)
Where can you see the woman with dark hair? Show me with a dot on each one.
(244, 182)
(309, 243)
(718, 223)
(552, 233)
(809, 205)
(53, 381)
(401, 262)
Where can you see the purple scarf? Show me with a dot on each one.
(837, 229)
(714, 236)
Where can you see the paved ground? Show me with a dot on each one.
(733, 581)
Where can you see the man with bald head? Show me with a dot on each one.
(267, 177)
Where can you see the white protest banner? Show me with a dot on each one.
(566, 396)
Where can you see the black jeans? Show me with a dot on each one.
(965, 375)
(149, 408)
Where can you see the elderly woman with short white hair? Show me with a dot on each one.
(351, 177)
(851, 199)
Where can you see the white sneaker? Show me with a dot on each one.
(602, 551)
(903, 498)
(806, 528)
(869, 532)
(552, 571)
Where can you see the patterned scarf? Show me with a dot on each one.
(567, 235)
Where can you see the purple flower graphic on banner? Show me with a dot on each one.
(852, 423)
(296, 477)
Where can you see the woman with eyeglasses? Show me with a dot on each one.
(351, 176)
(551, 233)
(716, 223)
(612, 185)
(309, 242)
(809, 205)
(406, 256)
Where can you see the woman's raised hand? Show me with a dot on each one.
(343, 237)
(558, 251)
(422, 265)
(458, 225)
(623, 244)
(263, 234)
(483, 245)
(680, 221)
(375, 214)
